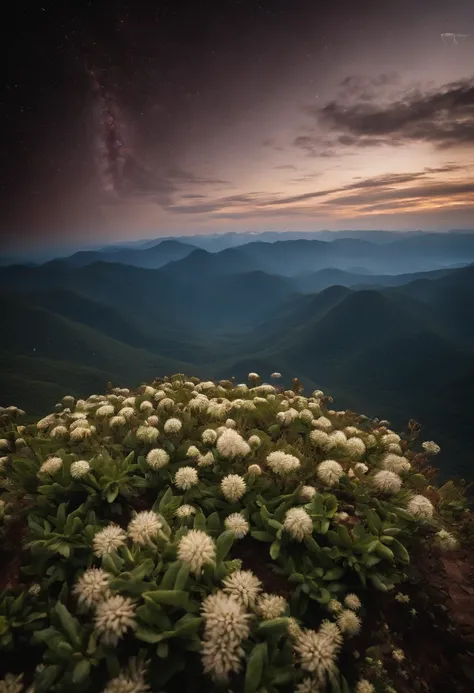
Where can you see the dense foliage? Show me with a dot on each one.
(201, 535)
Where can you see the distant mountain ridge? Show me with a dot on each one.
(389, 345)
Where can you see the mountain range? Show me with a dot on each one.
(394, 339)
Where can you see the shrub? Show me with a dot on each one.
(165, 550)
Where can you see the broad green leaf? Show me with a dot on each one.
(177, 598)
(275, 549)
(275, 626)
(255, 665)
(69, 624)
(81, 671)
(182, 577)
(223, 544)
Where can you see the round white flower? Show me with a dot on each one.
(105, 410)
(276, 375)
(230, 444)
(80, 468)
(254, 441)
(206, 460)
(196, 549)
(307, 493)
(331, 630)
(281, 463)
(51, 465)
(172, 426)
(233, 487)
(157, 458)
(226, 624)
(364, 686)
(398, 655)
(352, 601)
(420, 507)
(92, 587)
(117, 421)
(59, 432)
(185, 478)
(330, 472)
(298, 523)
(387, 482)
(322, 423)
(243, 585)
(321, 439)
(271, 606)
(147, 434)
(348, 622)
(144, 527)
(395, 463)
(153, 420)
(361, 468)
(335, 606)
(430, 447)
(355, 448)
(209, 436)
(193, 451)
(316, 653)
(254, 470)
(185, 511)
(389, 438)
(114, 616)
(446, 541)
(237, 523)
(126, 413)
(108, 539)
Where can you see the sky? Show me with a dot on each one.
(122, 122)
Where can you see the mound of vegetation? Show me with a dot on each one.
(210, 536)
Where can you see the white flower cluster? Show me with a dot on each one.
(226, 624)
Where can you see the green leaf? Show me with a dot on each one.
(384, 552)
(182, 577)
(112, 493)
(200, 520)
(81, 671)
(374, 522)
(261, 535)
(168, 495)
(344, 536)
(324, 526)
(151, 635)
(45, 679)
(162, 651)
(400, 551)
(177, 598)
(275, 626)
(223, 544)
(275, 549)
(334, 574)
(169, 578)
(377, 583)
(69, 624)
(188, 625)
(255, 665)
(213, 522)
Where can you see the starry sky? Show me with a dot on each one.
(120, 121)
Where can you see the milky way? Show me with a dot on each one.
(110, 136)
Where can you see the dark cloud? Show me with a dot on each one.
(286, 167)
(179, 175)
(366, 191)
(444, 118)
